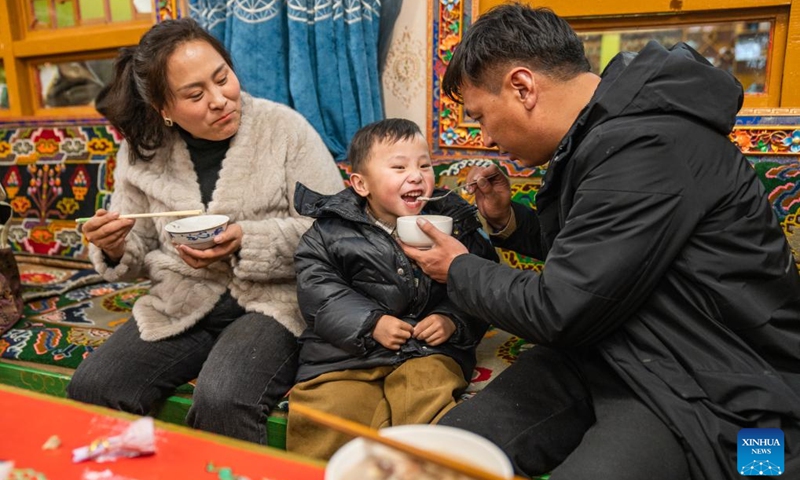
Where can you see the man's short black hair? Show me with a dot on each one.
(390, 130)
(514, 33)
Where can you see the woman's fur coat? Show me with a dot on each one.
(274, 148)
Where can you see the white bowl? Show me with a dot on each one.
(459, 444)
(197, 232)
(410, 234)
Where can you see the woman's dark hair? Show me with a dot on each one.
(132, 101)
(514, 33)
(390, 130)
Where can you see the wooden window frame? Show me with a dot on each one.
(39, 110)
(455, 136)
(779, 17)
(784, 85)
(30, 17)
(22, 49)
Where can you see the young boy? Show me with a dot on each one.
(384, 345)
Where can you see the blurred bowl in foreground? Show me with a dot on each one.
(454, 442)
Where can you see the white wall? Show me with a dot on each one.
(405, 90)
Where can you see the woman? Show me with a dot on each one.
(227, 315)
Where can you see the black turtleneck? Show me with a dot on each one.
(207, 156)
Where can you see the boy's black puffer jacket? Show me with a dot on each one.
(350, 272)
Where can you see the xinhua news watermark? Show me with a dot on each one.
(760, 452)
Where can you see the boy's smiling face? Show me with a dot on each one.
(394, 176)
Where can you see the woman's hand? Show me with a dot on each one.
(492, 195)
(435, 329)
(227, 243)
(107, 231)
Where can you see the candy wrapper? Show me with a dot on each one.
(104, 475)
(5, 469)
(52, 443)
(137, 440)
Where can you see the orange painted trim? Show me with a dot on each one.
(776, 67)
(7, 29)
(790, 88)
(784, 62)
(80, 39)
(571, 8)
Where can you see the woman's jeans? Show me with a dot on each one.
(244, 363)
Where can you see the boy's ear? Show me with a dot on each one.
(359, 184)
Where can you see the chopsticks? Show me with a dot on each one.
(176, 213)
(359, 430)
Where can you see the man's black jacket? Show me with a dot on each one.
(662, 253)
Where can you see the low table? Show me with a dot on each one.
(29, 419)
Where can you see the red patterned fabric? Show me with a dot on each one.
(55, 172)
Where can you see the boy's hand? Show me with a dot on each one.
(391, 332)
(434, 329)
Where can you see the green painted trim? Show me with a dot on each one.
(276, 431)
(174, 410)
(34, 380)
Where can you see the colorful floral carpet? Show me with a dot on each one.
(69, 311)
(496, 352)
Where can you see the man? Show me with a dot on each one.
(667, 316)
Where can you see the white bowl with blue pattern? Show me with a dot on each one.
(197, 232)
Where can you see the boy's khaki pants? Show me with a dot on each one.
(420, 390)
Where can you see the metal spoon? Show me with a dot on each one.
(439, 197)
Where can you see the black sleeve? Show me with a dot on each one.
(527, 238)
(469, 328)
(620, 236)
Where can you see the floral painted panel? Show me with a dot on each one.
(55, 172)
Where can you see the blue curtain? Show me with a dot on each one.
(318, 56)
